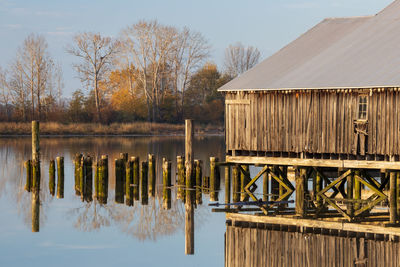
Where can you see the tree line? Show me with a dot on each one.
(151, 72)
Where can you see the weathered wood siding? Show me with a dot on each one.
(313, 121)
(261, 247)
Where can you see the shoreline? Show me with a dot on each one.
(135, 129)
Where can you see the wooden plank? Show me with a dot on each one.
(344, 226)
(237, 102)
(363, 164)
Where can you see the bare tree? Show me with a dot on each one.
(96, 53)
(33, 70)
(239, 59)
(5, 95)
(191, 49)
(149, 45)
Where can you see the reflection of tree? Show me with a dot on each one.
(91, 216)
(148, 222)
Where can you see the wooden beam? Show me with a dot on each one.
(347, 164)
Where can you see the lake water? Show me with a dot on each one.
(76, 233)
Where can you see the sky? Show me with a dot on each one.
(266, 24)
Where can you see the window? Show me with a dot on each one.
(362, 107)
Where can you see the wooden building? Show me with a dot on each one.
(332, 94)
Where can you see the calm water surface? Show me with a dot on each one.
(76, 233)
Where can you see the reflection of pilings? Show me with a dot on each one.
(152, 175)
(35, 211)
(166, 184)
(28, 167)
(189, 229)
(135, 177)
(88, 179)
(60, 177)
(52, 177)
(77, 164)
(119, 181)
(129, 183)
(198, 166)
(144, 184)
(181, 177)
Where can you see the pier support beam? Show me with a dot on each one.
(301, 179)
(392, 198)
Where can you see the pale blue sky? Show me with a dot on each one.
(266, 24)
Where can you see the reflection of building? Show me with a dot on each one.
(326, 104)
(265, 245)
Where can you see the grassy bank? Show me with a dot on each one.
(135, 128)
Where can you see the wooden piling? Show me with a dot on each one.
(152, 175)
(35, 175)
(199, 173)
(77, 164)
(243, 182)
(103, 180)
(236, 184)
(88, 196)
(301, 179)
(119, 180)
(144, 184)
(275, 185)
(81, 178)
(124, 158)
(318, 187)
(35, 141)
(28, 168)
(350, 188)
(357, 191)
(135, 177)
(392, 198)
(189, 179)
(166, 184)
(96, 179)
(266, 187)
(129, 183)
(227, 184)
(398, 193)
(213, 179)
(52, 177)
(181, 177)
(60, 177)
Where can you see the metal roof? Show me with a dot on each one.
(355, 52)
